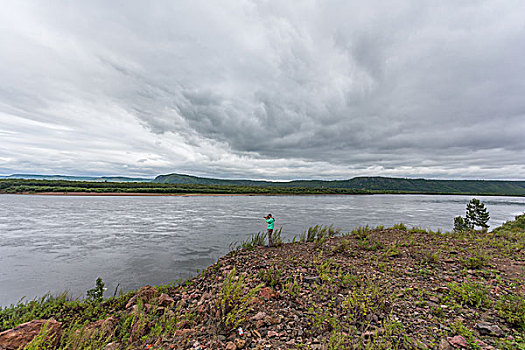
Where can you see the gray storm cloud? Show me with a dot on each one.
(264, 89)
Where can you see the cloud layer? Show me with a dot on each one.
(264, 89)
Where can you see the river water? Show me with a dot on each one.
(58, 243)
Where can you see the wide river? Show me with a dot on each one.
(58, 243)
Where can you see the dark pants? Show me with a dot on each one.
(270, 238)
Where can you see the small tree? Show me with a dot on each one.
(477, 214)
(460, 224)
(96, 294)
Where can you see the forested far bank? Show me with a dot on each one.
(378, 186)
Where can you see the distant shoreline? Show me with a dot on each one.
(343, 187)
(132, 194)
(152, 194)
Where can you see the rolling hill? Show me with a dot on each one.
(375, 184)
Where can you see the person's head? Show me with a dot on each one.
(269, 215)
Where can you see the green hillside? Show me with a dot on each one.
(375, 184)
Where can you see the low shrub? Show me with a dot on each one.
(477, 261)
(233, 300)
(470, 293)
(512, 309)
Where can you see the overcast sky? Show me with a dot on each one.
(263, 89)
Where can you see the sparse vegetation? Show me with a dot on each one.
(476, 261)
(512, 309)
(233, 300)
(470, 293)
(255, 240)
(319, 233)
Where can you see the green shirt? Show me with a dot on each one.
(270, 222)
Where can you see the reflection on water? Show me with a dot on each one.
(57, 243)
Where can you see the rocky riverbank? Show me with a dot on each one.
(394, 288)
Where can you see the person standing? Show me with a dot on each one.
(270, 220)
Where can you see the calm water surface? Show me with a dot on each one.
(57, 243)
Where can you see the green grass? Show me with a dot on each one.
(255, 240)
(319, 233)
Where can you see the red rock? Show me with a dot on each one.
(433, 299)
(458, 341)
(19, 337)
(183, 332)
(103, 326)
(108, 324)
(259, 316)
(444, 345)
(256, 301)
(272, 334)
(268, 293)
(231, 346)
(165, 300)
(240, 343)
(482, 344)
(145, 294)
(272, 319)
(112, 346)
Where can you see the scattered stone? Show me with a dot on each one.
(272, 334)
(165, 300)
(433, 299)
(19, 337)
(483, 345)
(112, 346)
(311, 279)
(259, 316)
(485, 328)
(458, 341)
(240, 343)
(183, 332)
(231, 346)
(107, 325)
(268, 293)
(444, 345)
(269, 320)
(145, 294)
